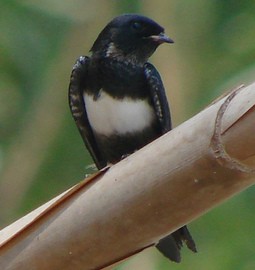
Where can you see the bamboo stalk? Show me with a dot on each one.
(128, 207)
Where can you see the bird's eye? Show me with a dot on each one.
(137, 25)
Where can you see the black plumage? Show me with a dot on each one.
(118, 100)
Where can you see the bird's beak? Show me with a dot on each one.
(161, 38)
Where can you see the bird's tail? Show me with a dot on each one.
(171, 245)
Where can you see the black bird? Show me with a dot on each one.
(118, 100)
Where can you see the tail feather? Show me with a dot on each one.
(171, 245)
(169, 248)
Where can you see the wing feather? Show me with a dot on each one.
(158, 95)
(76, 102)
(170, 245)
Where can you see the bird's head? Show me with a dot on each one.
(130, 37)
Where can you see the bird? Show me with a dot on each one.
(118, 100)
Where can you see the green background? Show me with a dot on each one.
(41, 152)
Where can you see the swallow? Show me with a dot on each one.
(118, 100)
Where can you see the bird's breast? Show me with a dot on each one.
(108, 115)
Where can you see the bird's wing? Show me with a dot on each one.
(158, 95)
(170, 245)
(76, 102)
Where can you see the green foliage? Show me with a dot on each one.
(128, 6)
(29, 41)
